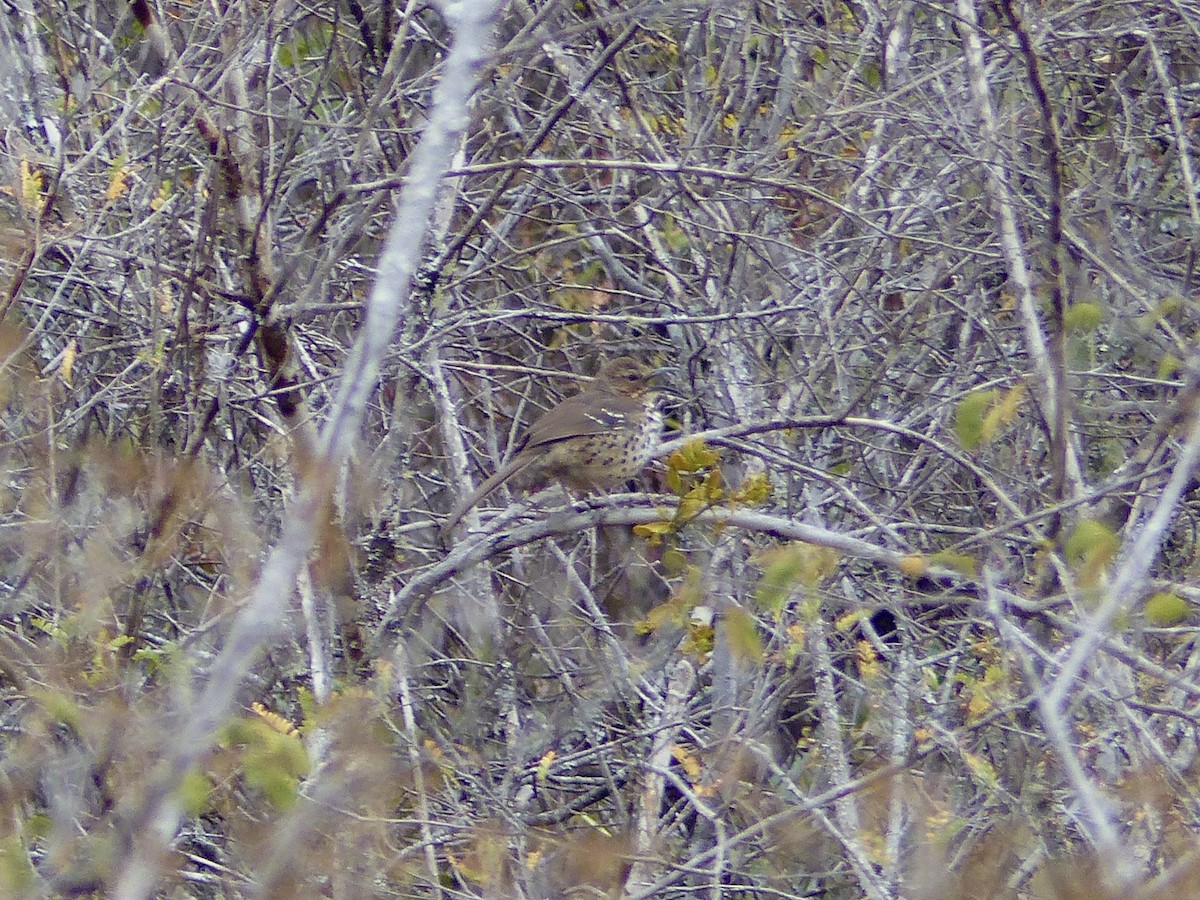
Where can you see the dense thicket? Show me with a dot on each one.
(906, 609)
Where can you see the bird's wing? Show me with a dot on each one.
(589, 413)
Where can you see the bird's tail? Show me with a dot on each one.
(493, 481)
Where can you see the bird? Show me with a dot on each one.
(596, 439)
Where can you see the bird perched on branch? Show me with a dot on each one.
(596, 439)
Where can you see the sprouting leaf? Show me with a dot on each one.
(714, 486)
(692, 504)
(674, 611)
(754, 490)
(271, 762)
(694, 456)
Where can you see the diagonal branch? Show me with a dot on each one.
(261, 620)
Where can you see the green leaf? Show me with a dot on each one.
(17, 877)
(674, 562)
(788, 566)
(1166, 609)
(193, 793)
(742, 632)
(1168, 366)
(59, 707)
(963, 563)
(1082, 318)
(969, 417)
(1089, 549)
(281, 788)
(1091, 541)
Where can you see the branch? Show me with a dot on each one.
(1000, 191)
(261, 620)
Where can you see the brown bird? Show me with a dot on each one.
(596, 439)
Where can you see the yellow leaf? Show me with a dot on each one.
(677, 609)
(544, 764)
(160, 198)
(714, 486)
(32, 185)
(843, 624)
(119, 183)
(981, 768)
(978, 705)
(68, 361)
(653, 532)
(276, 721)
(674, 480)
(688, 761)
(692, 504)
(913, 566)
(754, 490)
(674, 562)
(694, 456)
(700, 640)
(868, 660)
